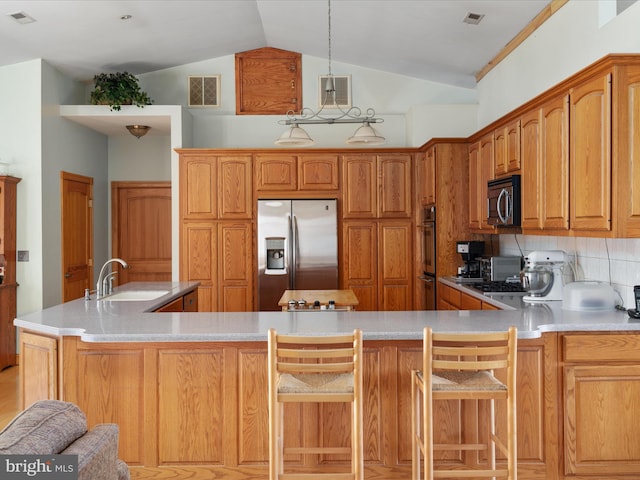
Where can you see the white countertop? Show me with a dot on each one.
(134, 321)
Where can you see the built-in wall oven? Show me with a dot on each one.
(427, 235)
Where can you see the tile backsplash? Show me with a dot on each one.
(612, 260)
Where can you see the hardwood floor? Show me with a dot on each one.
(9, 394)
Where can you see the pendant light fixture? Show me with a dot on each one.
(364, 135)
(138, 130)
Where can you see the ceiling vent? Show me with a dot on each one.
(22, 17)
(473, 18)
(342, 85)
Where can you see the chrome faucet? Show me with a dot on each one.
(103, 287)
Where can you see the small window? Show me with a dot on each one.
(342, 85)
(204, 91)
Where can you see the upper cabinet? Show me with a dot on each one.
(377, 186)
(215, 186)
(507, 150)
(313, 172)
(590, 155)
(268, 82)
(578, 153)
(481, 165)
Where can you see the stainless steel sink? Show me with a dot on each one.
(135, 296)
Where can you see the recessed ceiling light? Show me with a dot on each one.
(126, 17)
(21, 17)
(473, 18)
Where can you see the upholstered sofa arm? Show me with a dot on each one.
(97, 452)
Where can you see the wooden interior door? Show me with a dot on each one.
(77, 234)
(141, 230)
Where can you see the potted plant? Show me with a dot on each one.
(117, 89)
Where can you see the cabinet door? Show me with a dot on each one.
(512, 136)
(198, 253)
(359, 260)
(394, 269)
(394, 186)
(428, 178)
(627, 139)
(359, 191)
(38, 367)
(601, 420)
(554, 177)
(276, 172)
(500, 152)
(235, 187)
(235, 267)
(468, 302)
(318, 172)
(7, 329)
(475, 202)
(590, 155)
(531, 170)
(198, 193)
(268, 82)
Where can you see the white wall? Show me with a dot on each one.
(69, 147)
(569, 41)
(566, 43)
(392, 96)
(21, 146)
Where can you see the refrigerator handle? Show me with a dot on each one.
(290, 254)
(296, 246)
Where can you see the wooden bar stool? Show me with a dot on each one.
(314, 369)
(461, 367)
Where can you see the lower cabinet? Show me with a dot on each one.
(601, 388)
(185, 303)
(377, 263)
(199, 409)
(450, 298)
(220, 256)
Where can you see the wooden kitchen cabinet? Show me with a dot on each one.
(215, 186)
(427, 176)
(626, 138)
(38, 367)
(378, 263)
(360, 194)
(221, 259)
(530, 145)
(507, 150)
(600, 388)
(480, 172)
(8, 285)
(185, 303)
(590, 155)
(377, 186)
(280, 173)
(268, 82)
(554, 175)
(359, 262)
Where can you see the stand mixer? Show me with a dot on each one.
(542, 275)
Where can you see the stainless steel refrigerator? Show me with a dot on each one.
(297, 248)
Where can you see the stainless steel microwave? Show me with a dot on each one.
(503, 201)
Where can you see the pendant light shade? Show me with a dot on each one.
(295, 136)
(366, 134)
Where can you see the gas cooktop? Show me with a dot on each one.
(495, 287)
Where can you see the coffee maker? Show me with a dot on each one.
(471, 251)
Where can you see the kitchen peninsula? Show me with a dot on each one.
(188, 390)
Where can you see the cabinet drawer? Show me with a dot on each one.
(601, 347)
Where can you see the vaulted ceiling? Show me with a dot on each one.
(425, 39)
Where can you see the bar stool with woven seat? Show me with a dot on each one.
(461, 367)
(315, 369)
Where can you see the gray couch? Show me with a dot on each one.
(55, 427)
